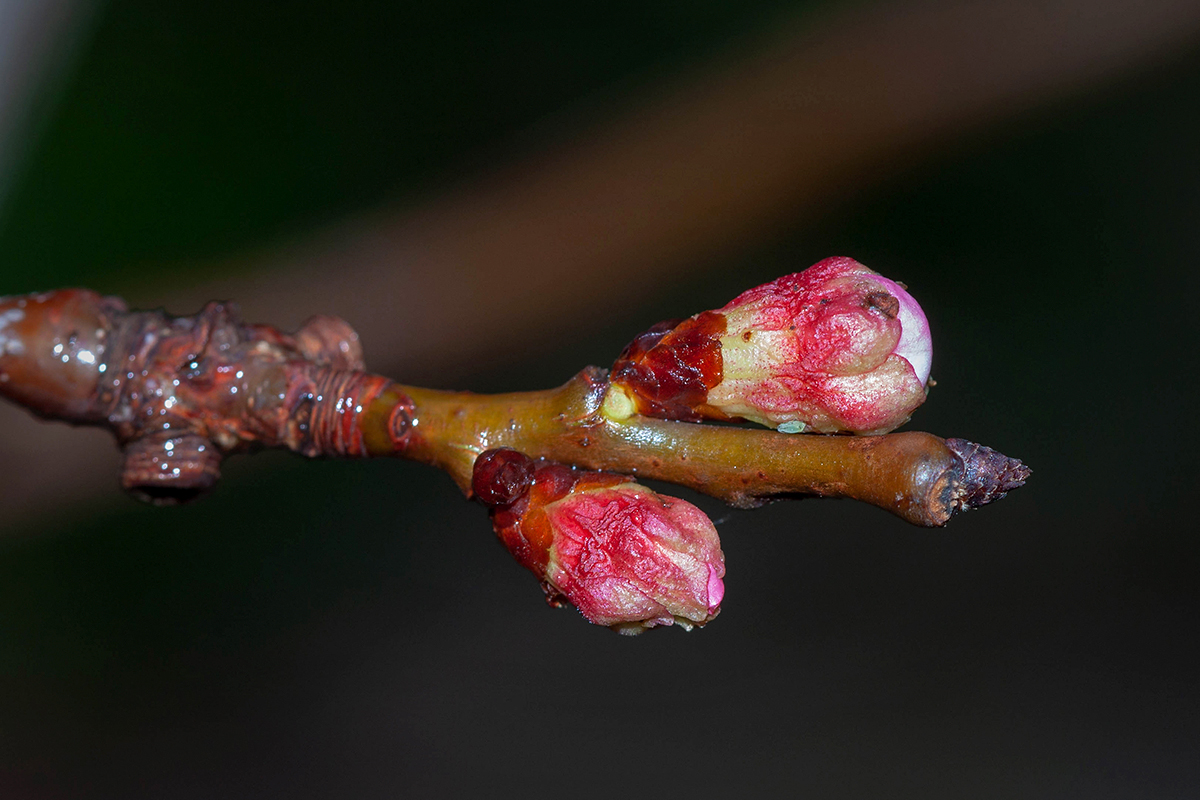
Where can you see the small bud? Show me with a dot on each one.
(623, 555)
(834, 348)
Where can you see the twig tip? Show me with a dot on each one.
(988, 475)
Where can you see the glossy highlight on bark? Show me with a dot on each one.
(624, 556)
(181, 393)
(54, 347)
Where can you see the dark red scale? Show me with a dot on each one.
(501, 476)
(516, 489)
(671, 367)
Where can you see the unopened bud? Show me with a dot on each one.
(623, 555)
(834, 348)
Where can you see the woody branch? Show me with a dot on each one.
(182, 393)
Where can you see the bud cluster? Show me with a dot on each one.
(836, 348)
(623, 555)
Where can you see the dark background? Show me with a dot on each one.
(340, 629)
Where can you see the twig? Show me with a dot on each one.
(181, 393)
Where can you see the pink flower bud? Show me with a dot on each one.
(623, 555)
(834, 348)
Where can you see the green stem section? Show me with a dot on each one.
(914, 475)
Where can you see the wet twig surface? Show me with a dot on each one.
(182, 393)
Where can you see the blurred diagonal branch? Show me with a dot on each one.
(31, 33)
